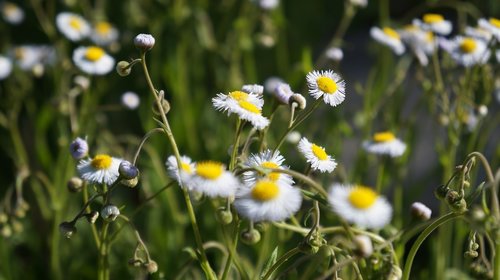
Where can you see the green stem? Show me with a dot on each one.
(280, 261)
(380, 176)
(239, 127)
(87, 210)
(231, 250)
(496, 262)
(103, 267)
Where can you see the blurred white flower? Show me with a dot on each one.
(11, 13)
(492, 25)
(385, 143)
(334, 54)
(435, 23)
(5, 67)
(466, 51)
(388, 37)
(73, 26)
(93, 60)
(104, 33)
(130, 100)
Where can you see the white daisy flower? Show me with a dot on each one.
(247, 106)
(316, 156)
(492, 25)
(5, 67)
(187, 169)
(467, 51)
(478, 33)
(131, 100)
(104, 33)
(360, 205)
(29, 57)
(93, 60)
(282, 93)
(212, 179)
(326, 84)
(102, 169)
(250, 112)
(257, 89)
(268, 200)
(266, 159)
(389, 37)
(435, 23)
(11, 13)
(422, 43)
(271, 83)
(385, 143)
(335, 54)
(73, 26)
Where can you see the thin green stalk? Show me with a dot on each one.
(280, 261)
(239, 127)
(380, 175)
(496, 262)
(231, 250)
(103, 267)
(86, 201)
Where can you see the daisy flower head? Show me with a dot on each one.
(212, 179)
(266, 159)
(326, 84)
(282, 93)
(247, 106)
(73, 26)
(389, 37)
(360, 205)
(187, 169)
(101, 169)
(478, 33)
(317, 156)
(268, 200)
(257, 89)
(435, 23)
(104, 33)
(28, 57)
(5, 67)
(93, 60)
(467, 51)
(385, 143)
(11, 13)
(422, 43)
(492, 25)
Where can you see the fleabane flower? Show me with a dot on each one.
(11, 13)
(266, 159)
(104, 33)
(492, 25)
(316, 156)
(93, 60)
(389, 37)
(326, 84)
(5, 67)
(101, 169)
(360, 205)
(478, 33)
(130, 100)
(28, 57)
(422, 43)
(282, 93)
(385, 143)
(267, 200)
(73, 26)
(467, 51)
(435, 23)
(254, 88)
(247, 106)
(212, 179)
(187, 169)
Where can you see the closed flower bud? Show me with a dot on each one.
(79, 148)
(250, 236)
(75, 184)
(151, 267)
(110, 212)
(135, 262)
(92, 217)
(471, 254)
(453, 197)
(127, 170)
(299, 99)
(308, 247)
(282, 92)
(67, 229)
(459, 206)
(224, 216)
(364, 246)
(131, 183)
(477, 214)
(482, 110)
(165, 106)
(395, 273)
(441, 191)
(123, 68)
(420, 211)
(82, 81)
(144, 42)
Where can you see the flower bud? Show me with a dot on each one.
(17, 226)
(471, 254)
(75, 184)
(420, 211)
(334, 54)
(477, 214)
(135, 262)
(250, 236)
(151, 267)
(282, 92)
(123, 68)
(92, 217)
(79, 148)
(453, 197)
(164, 104)
(364, 246)
(131, 183)
(395, 273)
(299, 99)
(224, 216)
(482, 110)
(308, 247)
(144, 42)
(127, 170)
(67, 229)
(110, 212)
(82, 81)
(459, 206)
(441, 191)
(293, 137)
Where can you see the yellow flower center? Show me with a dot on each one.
(10, 9)
(101, 161)
(94, 53)
(326, 84)
(391, 33)
(429, 37)
(383, 137)
(103, 28)
(410, 27)
(362, 197)
(265, 190)
(250, 107)
(209, 169)
(19, 53)
(273, 176)
(75, 23)
(319, 152)
(186, 167)
(238, 95)
(468, 45)
(495, 22)
(433, 18)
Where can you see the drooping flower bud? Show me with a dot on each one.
(421, 211)
(224, 216)
(67, 229)
(250, 236)
(144, 42)
(151, 266)
(79, 148)
(92, 217)
(123, 69)
(364, 246)
(110, 212)
(127, 170)
(75, 184)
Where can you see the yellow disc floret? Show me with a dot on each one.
(326, 84)
(433, 18)
(391, 33)
(495, 22)
(238, 95)
(186, 167)
(273, 176)
(94, 53)
(319, 152)
(383, 137)
(101, 161)
(103, 28)
(468, 45)
(362, 197)
(209, 169)
(265, 190)
(250, 107)
(75, 23)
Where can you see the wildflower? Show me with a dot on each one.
(73, 26)
(92, 217)
(187, 169)
(110, 212)
(422, 43)
(316, 156)
(492, 25)
(250, 236)
(334, 54)
(212, 179)
(360, 205)
(104, 33)
(385, 143)
(75, 184)
(421, 211)
(388, 37)
(467, 51)
(435, 23)
(102, 169)
(271, 83)
(28, 57)
(79, 148)
(266, 159)
(478, 33)
(130, 100)
(364, 246)
(67, 229)
(5, 67)
(268, 200)
(299, 100)
(246, 106)
(267, 4)
(359, 3)
(326, 84)
(257, 89)
(127, 170)
(144, 42)
(282, 92)
(93, 60)
(11, 13)
(82, 81)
